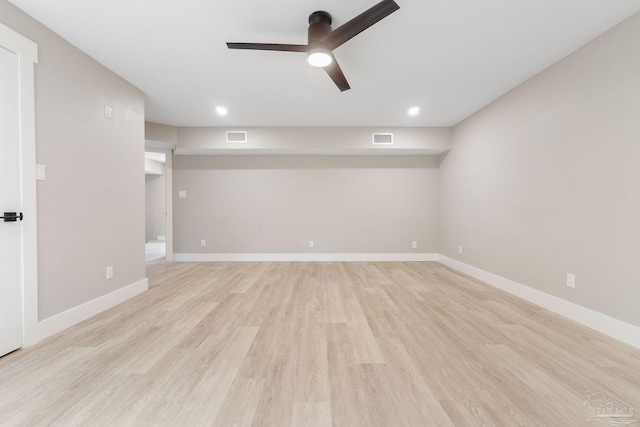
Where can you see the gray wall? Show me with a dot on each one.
(91, 207)
(155, 188)
(276, 204)
(546, 180)
(163, 134)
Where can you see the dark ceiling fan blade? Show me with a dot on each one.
(269, 46)
(336, 74)
(360, 23)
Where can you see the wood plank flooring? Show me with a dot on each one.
(317, 344)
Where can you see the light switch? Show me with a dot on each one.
(41, 172)
(182, 194)
(107, 111)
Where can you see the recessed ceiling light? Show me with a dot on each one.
(414, 111)
(222, 111)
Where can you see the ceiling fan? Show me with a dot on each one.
(322, 40)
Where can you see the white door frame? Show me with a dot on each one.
(27, 52)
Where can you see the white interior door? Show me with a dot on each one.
(10, 201)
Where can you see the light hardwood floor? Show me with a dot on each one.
(317, 344)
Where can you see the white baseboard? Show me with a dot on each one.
(75, 315)
(304, 257)
(614, 328)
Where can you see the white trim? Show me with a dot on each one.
(168, 200)
(27, 52)
(304, 257)
(18, 44)
(614, 328)
(75, 315)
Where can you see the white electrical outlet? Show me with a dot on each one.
(182, 194)
(571, 280)
(107, 111)
(203, 243)
(109, 272)
(414, 244)
(460, 249)
(310, 243)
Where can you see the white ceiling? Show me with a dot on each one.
(450, 57)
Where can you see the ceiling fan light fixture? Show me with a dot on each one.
(323, 40)
(319, 57)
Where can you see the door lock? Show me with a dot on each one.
(11, 216)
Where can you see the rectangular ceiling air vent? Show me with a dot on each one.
(237, 136)
(383, 138)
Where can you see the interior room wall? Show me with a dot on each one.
(277, 204)
(91, 206)
(160, 136)
(545, 181)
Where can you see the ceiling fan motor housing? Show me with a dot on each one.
(319, 25)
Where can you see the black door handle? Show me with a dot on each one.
(11, 216)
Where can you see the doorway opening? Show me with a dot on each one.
(156, 207)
